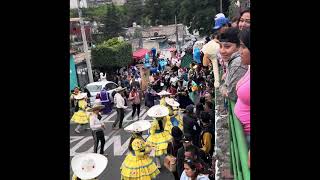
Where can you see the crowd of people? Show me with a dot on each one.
(183, 127)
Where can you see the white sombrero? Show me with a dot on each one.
(80, 96)
(95, 107)
(138, 126)
(172, 102)
(158, 111)
(163, 93)
(89, 165)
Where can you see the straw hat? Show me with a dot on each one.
(119, 89)
(163, 93)
(172, 102)
(158, 111)
(80, 96)
(89, 165)
(138, 126)
(95, 107)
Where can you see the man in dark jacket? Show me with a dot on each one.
(186, 141)
(191, 126)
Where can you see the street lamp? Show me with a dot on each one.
(85, 45)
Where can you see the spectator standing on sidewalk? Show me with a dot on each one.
(242, 107)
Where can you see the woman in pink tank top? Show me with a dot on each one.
(242, 107)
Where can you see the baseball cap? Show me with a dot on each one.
(186, 138)
(219, 22)
(219, 15)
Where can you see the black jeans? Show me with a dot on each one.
(98, 136)
(120, 116)
(134, 107)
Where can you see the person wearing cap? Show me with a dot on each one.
(88, 166)
(138, 165)
(120, 104)
(158, 137)
(80, 117)
(221, 24)
(186, 141)
(190, 125)
(97, 127)
(229, 50)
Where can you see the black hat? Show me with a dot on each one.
(186, 138)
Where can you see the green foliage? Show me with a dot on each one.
(134, 11)
(198, 15)
(74, 13)
(161, 12)
(94, 13)
(111, 54)
(111, 20)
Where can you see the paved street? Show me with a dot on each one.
(116, 145)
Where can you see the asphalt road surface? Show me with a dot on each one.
(116, 145)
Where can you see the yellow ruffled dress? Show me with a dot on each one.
(159, 139)
(162, 101)
(168, 127)
(138, 165)
(81, 117)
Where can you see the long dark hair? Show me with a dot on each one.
(195, 166)
(133, 138)
(242, 12)
(160, 124)
(244, 36)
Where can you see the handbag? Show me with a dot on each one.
(170, 163)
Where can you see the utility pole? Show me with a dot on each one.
(177, 40)
(85, 45)
(221, 6)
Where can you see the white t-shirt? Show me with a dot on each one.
(174, 80)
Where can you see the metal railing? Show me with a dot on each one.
(238, 146)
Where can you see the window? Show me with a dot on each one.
(94, 88)
(111, 86)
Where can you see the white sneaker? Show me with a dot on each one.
(77, 131)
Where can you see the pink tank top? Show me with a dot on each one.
(242, 107)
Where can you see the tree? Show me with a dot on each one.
(161, 12)
(111, 54)
(134, 11)
(152, 11)
(198, 15)
(112, 26)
